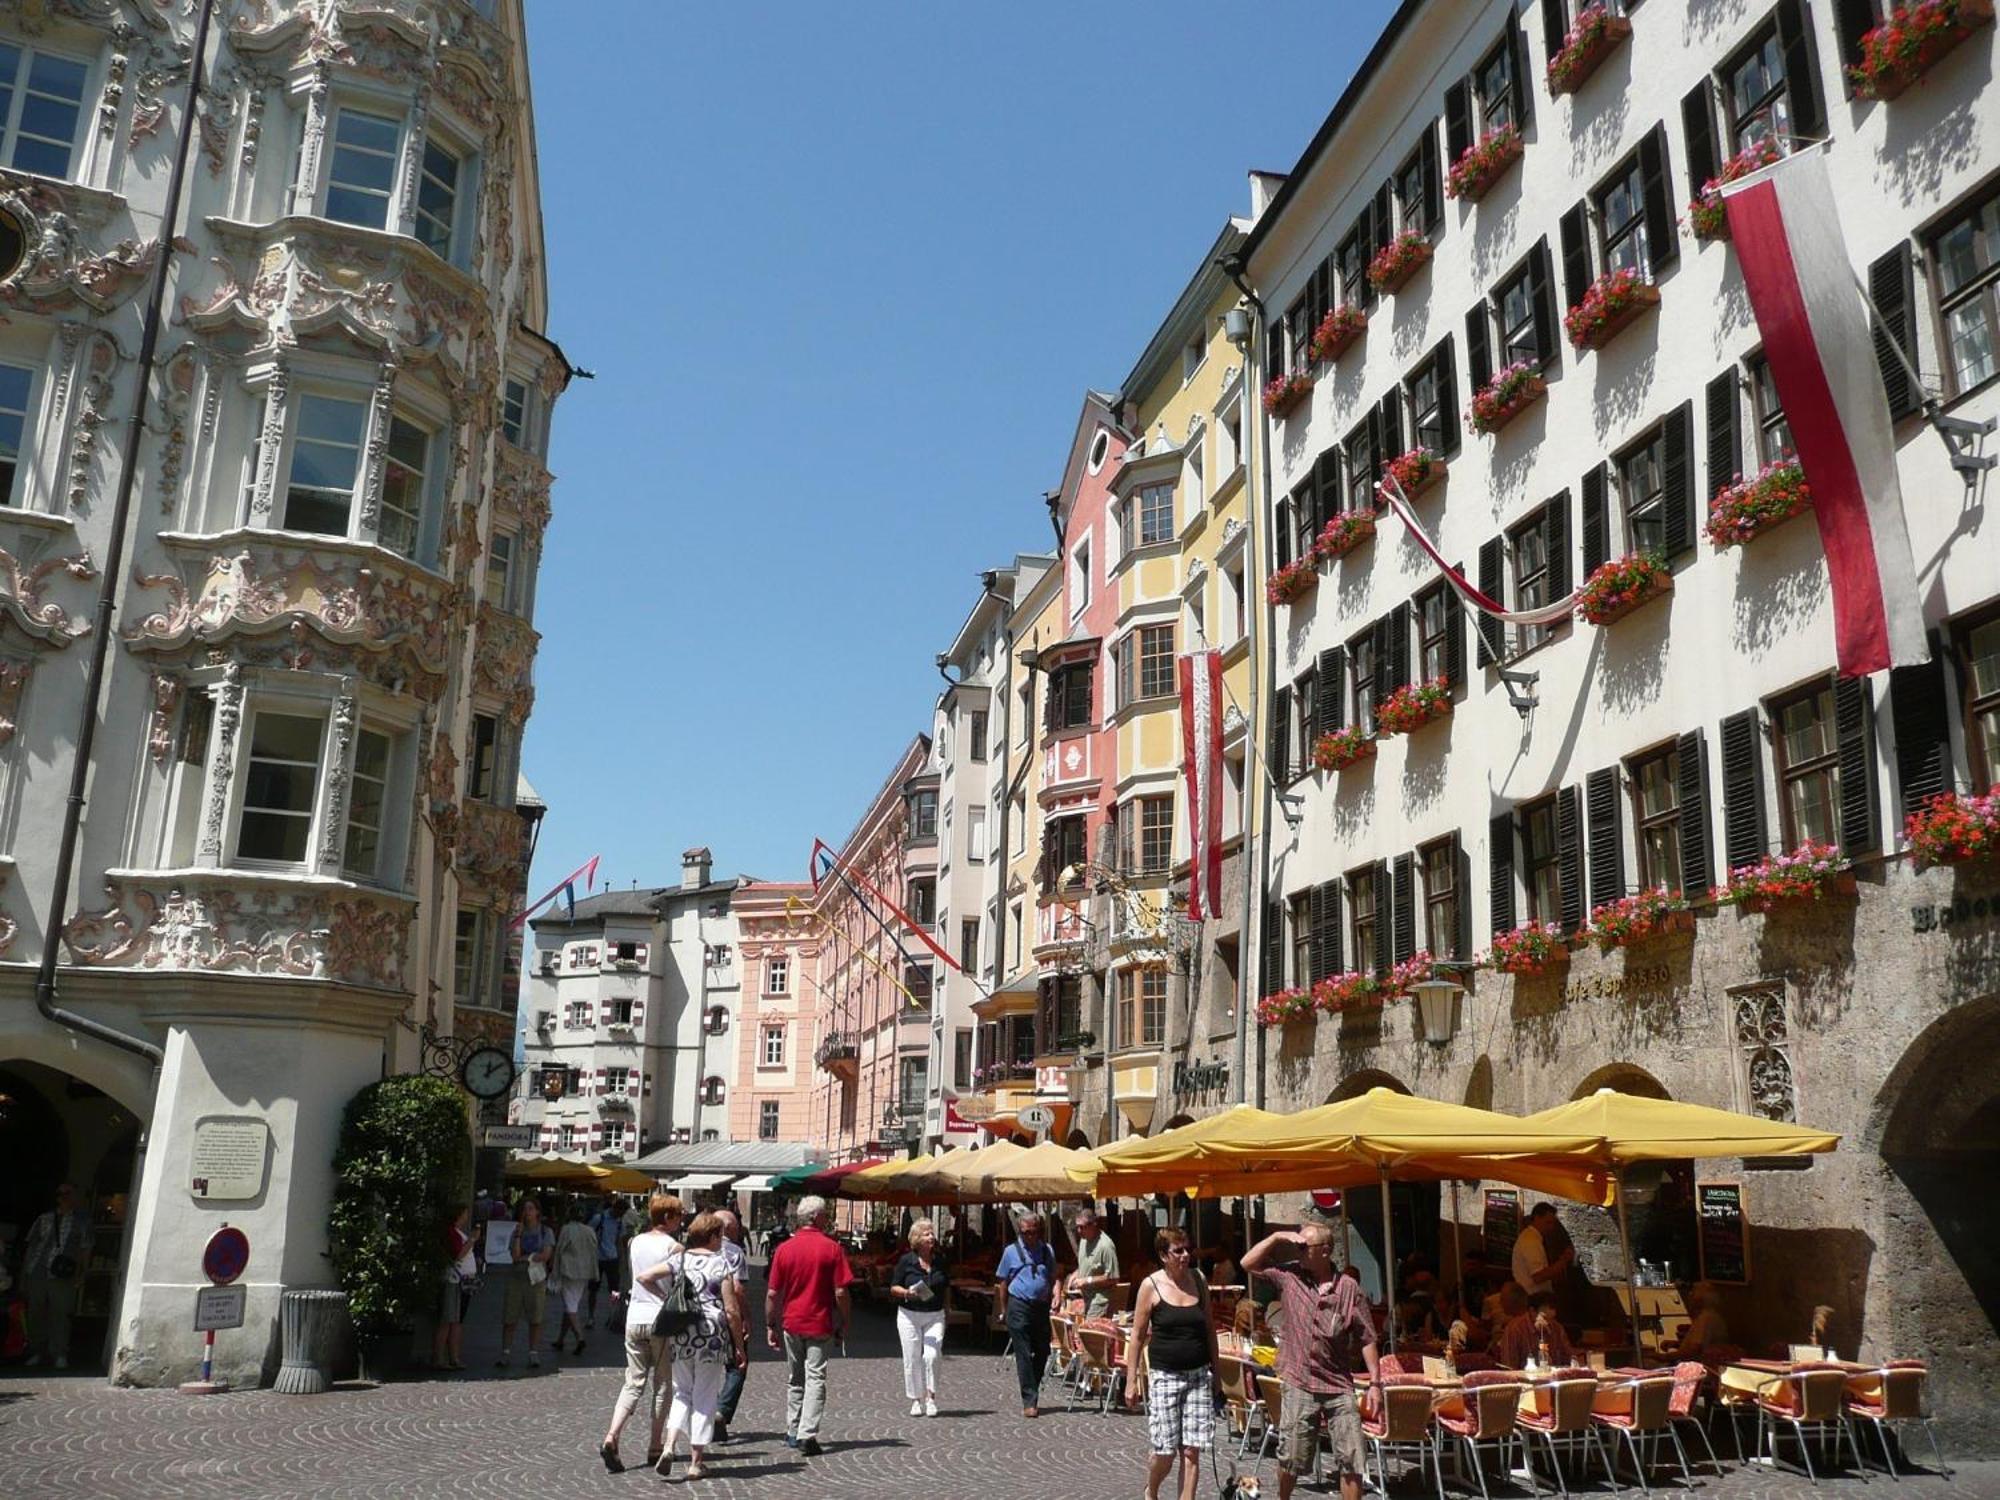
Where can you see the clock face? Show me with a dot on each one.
(488, 1073)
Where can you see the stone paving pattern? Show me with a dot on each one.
(532, 1435)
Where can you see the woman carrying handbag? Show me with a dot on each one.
(645, 1351)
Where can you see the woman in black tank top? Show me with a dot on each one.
(1171, 1330)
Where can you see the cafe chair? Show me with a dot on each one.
(1120, 1295)
(1642, 1426)
(1240, 1404)
(954, 1315)
(1571, 1395)
(1062, 1348)
(1402, 1425)
(1808, 1397)
(1099, 1367)
(1897, 1396)
(1402, 1364)
(1690, 1378)
(1271, 1397)
(1491, 1419)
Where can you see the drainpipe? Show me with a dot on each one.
(107, 591)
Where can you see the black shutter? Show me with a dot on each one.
(1478, 346)
(1576, 255)
(1677, 478)
(1433, 176)
(1743, 840)
(1281, 737)
(1329, 698)
(1691, 795)
(1326, 488)
(1461, 863)
(1852, 19)
(1723, 450)
(1492, 583)
(1281, 523)
(1569, 856)
(1457, 120)
(1856, 748)
(1607, 852)
(1364, 238)
(1555, 534)
(1385, 215)
(1891, 287)
(1376, 454)
(1384, 920)
(1335, 963)
(1542, 287)
(1698, 130)
(1596, 522)
(1379, 633)
(1272, 979)
(1454, 637)
(1316, 939)
(1500, 872)
(1663, 231)
(1392, 424)
(1524, 89)
(1447, 384)
(1801, 70)
(1394, 667)
(1405, 909)
(1555, 26)
(1923, 731)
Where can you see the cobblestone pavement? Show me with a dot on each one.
(532, 1436)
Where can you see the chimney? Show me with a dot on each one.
(695, 865)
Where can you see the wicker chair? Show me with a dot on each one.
(1571, 1395)
(1690, 1380)
(1897, 1397)
(1402, 1425)
(1650, 1419)
(1120, 1295)
(1062, 1348)
(1491, 1420)
(1808, 1397)
(1097, 1364)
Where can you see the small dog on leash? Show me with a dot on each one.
(1242, 1487)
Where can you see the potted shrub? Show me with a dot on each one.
(1411, 707)
(1345, 992)
(1340, 748)
(1283, 392)
(1621, 586)
(1706, 215)
(1808, 873)
(1633, 919)
(1614, 300)
(1399, 260)
(1285, 1006)
(1511, 391)
(1415, 471)
(1749, 507)
(1344, 533)
(1534, 948)
(1589, 41)
(1910, 41)
(1293, 581)
(1952, 828)
(1336, 331)
(1483, 163)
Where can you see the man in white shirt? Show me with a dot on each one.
(1534, 1269)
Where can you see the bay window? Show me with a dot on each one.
(17, 384)
(367, 798)
(326, 463)
(280, 787)
(437, 198)
(361, 167)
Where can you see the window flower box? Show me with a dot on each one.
(1406, 975)
(1592, 39)
(1293, 581)
(1613, 301)
(1750, 507)
(1283, 392)
(1396, 262)
(1348, 992)
(1284, 1007)
(1484, 163)
(1952, 828)
(1621, 586)
(1509, 393)
(1341, 748)
(1344, 533)
(1706, 215)
(1536, 948)
(1415, 471)
(1337, 330)
(1409, 708)
(1909, 43)
(1634, 919)
(1810, 872)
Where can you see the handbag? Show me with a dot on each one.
(679, 1309)
(537, 1273)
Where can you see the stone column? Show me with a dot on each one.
(339, 781)
(228, 697)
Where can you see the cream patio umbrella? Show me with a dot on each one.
(1036, 1173)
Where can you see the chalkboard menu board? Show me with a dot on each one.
(1503, 1224)
(1725, 1234)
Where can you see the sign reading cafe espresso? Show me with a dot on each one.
(1195, 1078)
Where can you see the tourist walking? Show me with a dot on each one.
(739, 1267)
(52, 1261)
(531, 1249)
(461, 1273)
(575, 1274)
(1328, 1330)
(609, 1224)
(917, 1288)
(645, 1353)
(1024, 1280)
(806, 1300)
(702, 1352)
(1171, 1318)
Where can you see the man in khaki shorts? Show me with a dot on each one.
(1327, 1326)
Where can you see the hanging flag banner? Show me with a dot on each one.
(825, 862)
(1201, 757)
(1392, 495)
(566, 888)
(1785, 226)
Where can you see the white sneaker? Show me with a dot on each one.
(930, 1407)
(916, 1408)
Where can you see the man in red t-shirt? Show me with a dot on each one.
(805, 1296)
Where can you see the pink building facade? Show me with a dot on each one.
(778, 947)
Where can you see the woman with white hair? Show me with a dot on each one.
(918, 1288)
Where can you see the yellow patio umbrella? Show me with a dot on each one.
(1170, 1162)
(1038, 1172)
(556, 1169)
(958, 1176)
(546, 1169)
(890, 1182)
(619, 1179)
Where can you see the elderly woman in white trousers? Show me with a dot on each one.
(918, 1289)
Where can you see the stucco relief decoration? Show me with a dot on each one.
(184, 924)
(22, 604)
(503, 663)
(489, 847)
(521, 488)
(1764, 1036)
(441, 791)
(92, 389)
(13, 683)
(160, 63)
(65, 266)
(167, 692)
(177, 398)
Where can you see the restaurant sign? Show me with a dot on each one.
(1195, 1078)
(1052, 1083)
(1642, 983)
(1954, 913)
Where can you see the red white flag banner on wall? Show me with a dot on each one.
(1785, 226)
(1201, 754)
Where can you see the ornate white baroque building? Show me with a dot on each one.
(300, 844)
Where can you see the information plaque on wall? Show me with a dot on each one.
(1725, 1233)
(227, 1161)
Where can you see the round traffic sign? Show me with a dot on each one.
(225, 1255)
(1326, 1200)
(1038, 1117)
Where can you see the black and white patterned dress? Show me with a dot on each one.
(708, 1341)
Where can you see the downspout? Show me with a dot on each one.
(107, 592)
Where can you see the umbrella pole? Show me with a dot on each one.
(1388, 1259)
(1631, 1278)
(1457, 1256)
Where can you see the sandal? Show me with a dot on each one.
(653, 1457)
(695, 1471)
(664, 1467)
(609, 1453)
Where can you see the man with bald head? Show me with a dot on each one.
(1329, 1330)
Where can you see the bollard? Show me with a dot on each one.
(310, 1322)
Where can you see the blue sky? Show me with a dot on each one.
(843, 274)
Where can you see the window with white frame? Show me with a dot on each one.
(437, 197)
(500, 570)
(767, 1119)
(618, 1081)
(514, 413)
(361, 169)
(778, 975)
(975, 833)
(621, 1010)
(403, 484)
(17, 384)
(468, 955)
(367, 801)
(567, 1138)
(576, 1015)
(774, 1046)
(1154, 510)
(280, 787)
(326, 463)
(41, 106)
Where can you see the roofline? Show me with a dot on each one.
(1201, 290)
(989, 600)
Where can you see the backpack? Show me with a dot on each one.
(680, 1307)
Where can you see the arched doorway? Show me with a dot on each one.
(56, 1128)
(1077, 1141)
(1622, 1078)
(1354, 1085)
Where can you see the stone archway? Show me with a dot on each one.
(1077, 1141)
(1623, 1078)
(1354, 1085)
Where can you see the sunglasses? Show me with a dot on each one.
(1179, 1250)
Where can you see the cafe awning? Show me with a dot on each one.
(698, 1182)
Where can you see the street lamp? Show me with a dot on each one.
(1437, 1004)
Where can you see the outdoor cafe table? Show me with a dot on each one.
(1752, 1377)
